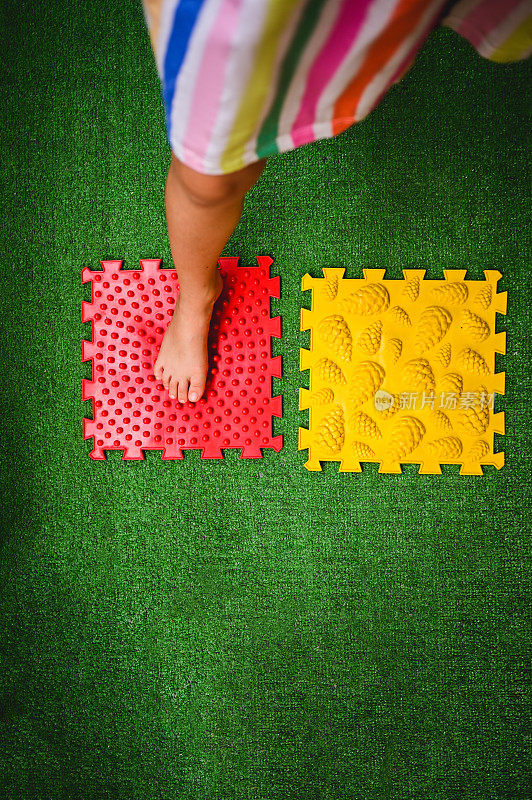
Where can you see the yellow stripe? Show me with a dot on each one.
(258, 85)
(517, 46)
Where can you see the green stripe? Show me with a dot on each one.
(266, 144)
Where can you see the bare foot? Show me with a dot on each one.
(182, 362)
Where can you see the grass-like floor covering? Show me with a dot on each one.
(249, 630)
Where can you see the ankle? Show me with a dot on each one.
(200, 300)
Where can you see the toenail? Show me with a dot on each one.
(193, 397)
(172, 396)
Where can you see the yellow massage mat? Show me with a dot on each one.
(402, 371)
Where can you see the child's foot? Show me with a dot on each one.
(182, 362)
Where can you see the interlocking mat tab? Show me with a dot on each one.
(402, 371)
(132, 411)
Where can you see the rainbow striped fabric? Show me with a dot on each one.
(244, 79)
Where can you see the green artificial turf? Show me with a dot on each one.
(247, 630)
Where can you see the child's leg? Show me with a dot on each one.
(201, 213)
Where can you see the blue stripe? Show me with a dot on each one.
(185, 17)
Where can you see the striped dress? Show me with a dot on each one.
(245, 79)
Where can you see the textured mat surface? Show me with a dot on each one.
(129, 312)
(221, 629)
(402, 371)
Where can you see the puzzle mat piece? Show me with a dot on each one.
(132, 411)
(380, 351)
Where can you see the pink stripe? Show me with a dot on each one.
(337, 46)
(211, 78)
(483, 19)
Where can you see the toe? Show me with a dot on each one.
(166, 379)
(158, 371)
(196, 388)
(172, 388)
(182, 391)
